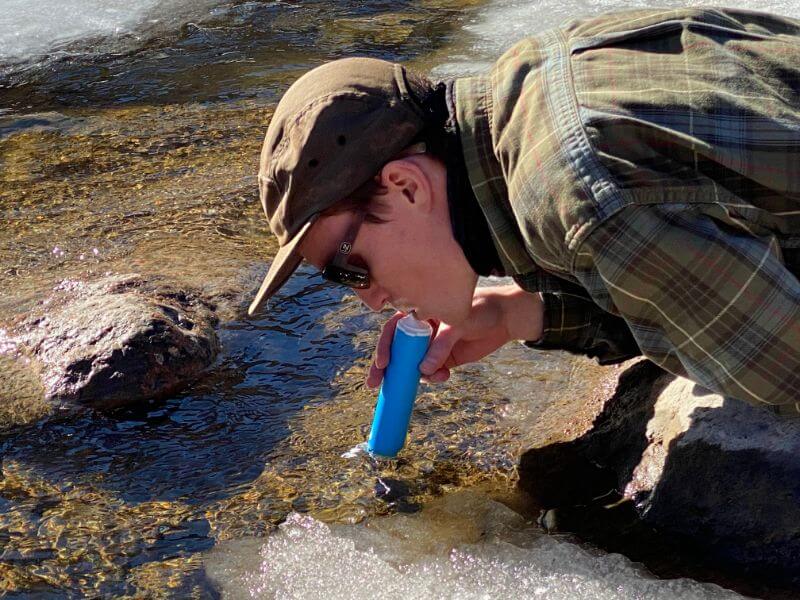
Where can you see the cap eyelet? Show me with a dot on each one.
(313, 163)
(341, 140)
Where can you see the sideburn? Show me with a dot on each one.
(367, 199)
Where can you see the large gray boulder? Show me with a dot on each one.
(717, 473)
(118, 340)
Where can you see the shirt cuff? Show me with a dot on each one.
(579, 326)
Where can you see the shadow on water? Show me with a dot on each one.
(149, 479)
(41, 121)
(203, 444)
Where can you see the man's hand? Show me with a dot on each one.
(499, 315)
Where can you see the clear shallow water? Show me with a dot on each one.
(138, 153)
(125, 503)
(176, 51)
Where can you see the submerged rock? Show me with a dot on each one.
(118, 340)
(714, 472)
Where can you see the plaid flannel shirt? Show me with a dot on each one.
(642, 170)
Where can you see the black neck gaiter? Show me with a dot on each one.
(470, 227)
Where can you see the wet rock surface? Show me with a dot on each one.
(116, 341)
(713, 474)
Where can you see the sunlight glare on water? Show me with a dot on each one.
(505, 22)
(29, 29)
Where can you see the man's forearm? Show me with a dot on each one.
(523, 313)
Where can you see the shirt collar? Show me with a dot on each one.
(472, 99)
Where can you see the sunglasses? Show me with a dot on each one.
(339, 270)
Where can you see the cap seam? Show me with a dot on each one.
(406, 94)
(268, 178)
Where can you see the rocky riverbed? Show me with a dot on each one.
(146, 421)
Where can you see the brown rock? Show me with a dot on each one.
(118, 340)
(715, 473)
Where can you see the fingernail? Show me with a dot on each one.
(426, 367)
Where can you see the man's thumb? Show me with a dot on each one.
(439, 350)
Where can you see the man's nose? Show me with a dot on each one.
(373, 297)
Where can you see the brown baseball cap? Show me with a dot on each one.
(334, 128)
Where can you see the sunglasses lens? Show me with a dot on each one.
(348, 277)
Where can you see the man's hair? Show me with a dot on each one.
(435, 135)
(362, 199)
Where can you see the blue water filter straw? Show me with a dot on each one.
(399, 388)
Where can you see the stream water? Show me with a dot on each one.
(129, 139)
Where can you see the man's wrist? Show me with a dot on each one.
(524, 315)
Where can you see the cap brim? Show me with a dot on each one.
(283, 265)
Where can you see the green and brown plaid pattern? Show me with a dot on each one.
(642, 169)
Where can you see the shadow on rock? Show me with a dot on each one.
(576, 472)
(713, 481)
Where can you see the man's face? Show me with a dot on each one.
(413, 260)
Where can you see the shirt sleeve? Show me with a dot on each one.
(703, 298)
(576, 324)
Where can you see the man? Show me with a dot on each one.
(637, 174)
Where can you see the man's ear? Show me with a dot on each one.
(406, 178)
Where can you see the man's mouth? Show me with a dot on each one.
(402, 306)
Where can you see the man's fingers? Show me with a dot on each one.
(433, 366)
(439, 376)
(382, 351)
(439, 350)
(374, 377)
(434, 326)
(384, 347)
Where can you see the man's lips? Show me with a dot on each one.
(401, 305)
(406, 309)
